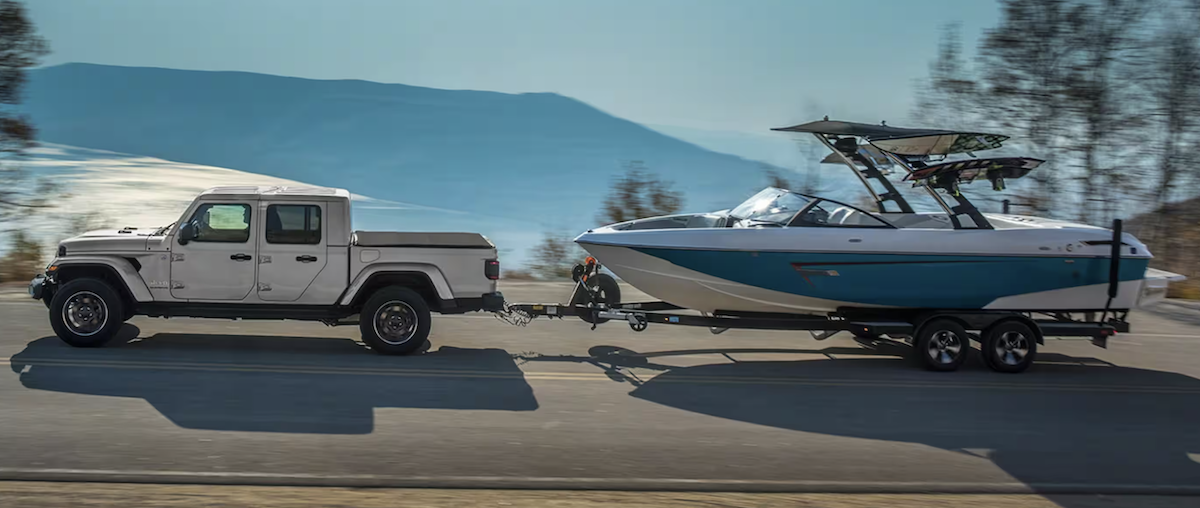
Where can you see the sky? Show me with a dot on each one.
(730, 65)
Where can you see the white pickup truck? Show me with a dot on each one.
(269, 253)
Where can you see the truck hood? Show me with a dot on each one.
(107, 241)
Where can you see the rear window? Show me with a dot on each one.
(294, 224)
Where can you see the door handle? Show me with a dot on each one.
(306, 259)
(240, 257)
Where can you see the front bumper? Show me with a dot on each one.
(37, 286)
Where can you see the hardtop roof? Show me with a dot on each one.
(278, 192)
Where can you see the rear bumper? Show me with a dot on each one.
(489, 302)
(493, 302)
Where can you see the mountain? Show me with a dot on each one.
(539, 158)
(798, 156)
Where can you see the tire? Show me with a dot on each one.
(86, 312)
(1009, 346)
(395, 321)
(609, 293)
(942, 344)
(47, 296)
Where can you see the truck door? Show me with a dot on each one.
(291, 249)
(218, 263)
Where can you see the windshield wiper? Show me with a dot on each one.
(163, 229)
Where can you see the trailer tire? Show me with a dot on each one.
(86, 312)
(941, 344)
(395, 321)
(1009, 346)
(609, 292)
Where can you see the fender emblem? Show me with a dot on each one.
(176, 257)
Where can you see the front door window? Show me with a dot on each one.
(219, 262)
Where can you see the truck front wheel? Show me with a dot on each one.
(395, 321)
(86, 312)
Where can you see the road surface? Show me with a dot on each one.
(556, 405)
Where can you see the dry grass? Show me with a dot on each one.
(49, 494)
(1174, 239)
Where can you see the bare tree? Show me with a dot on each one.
(1101, 96)
(20, 49)
(777, 179)
(949, 97)
(1174, 86)
(1027, 61)
(554, 256)
(638, 194)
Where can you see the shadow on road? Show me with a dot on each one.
(275, 384)
(1067, 421)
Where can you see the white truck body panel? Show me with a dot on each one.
(327, 267)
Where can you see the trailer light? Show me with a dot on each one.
(491, 269)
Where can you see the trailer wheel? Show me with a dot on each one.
(607, 292)
(395, 321)
(1009, 346)
(942, 344)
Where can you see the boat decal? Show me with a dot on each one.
(808, 272)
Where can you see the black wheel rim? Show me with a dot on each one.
(944, 347)
(1011, 348)
(395, 322)
(85, 313)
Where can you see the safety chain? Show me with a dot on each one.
(513, 317)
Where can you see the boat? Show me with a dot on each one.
(786, 252)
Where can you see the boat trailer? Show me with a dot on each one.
(1014, 335)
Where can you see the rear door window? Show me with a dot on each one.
(293, 224)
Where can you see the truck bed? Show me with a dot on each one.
(421, 239)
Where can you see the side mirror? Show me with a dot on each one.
(187, 233)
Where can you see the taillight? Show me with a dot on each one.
(491, 268)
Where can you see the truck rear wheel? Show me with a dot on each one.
(395, 321)
(86, 312)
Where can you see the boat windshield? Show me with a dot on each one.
(770, 205)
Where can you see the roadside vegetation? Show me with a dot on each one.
(636, 193)
(22, 260)
(21, 196)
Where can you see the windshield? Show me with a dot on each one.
(771, 205)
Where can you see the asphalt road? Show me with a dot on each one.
(556, 405)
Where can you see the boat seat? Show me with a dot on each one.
(839, 215)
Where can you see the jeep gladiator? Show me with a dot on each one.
(268, 253)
